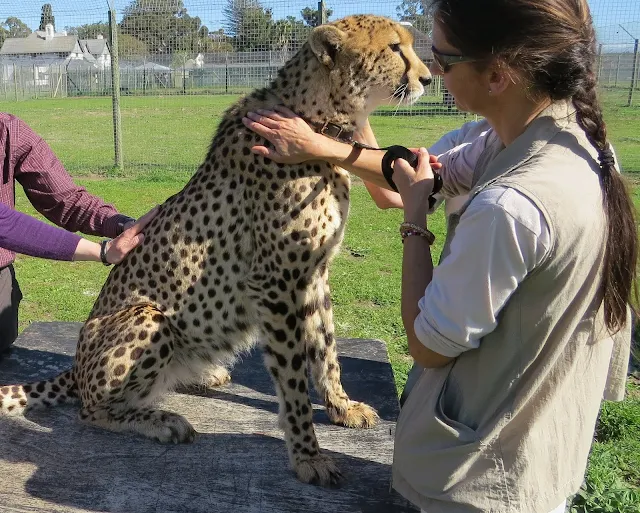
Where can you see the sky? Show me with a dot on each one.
(608, 14)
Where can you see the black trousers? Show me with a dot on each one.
(10, 297)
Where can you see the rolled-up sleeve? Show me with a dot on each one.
(500, 238)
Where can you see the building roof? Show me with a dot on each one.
(94, 46)
(36, 43)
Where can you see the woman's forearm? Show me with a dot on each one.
(383, 198)
(87, 251)
(26, 235)
(366, 164)
(294, 141)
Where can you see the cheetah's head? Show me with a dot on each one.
(371, 57)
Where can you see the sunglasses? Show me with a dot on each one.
(445, 61)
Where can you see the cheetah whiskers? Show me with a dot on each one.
(399, 94)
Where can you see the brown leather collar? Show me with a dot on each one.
(338, 133)
(332, 130)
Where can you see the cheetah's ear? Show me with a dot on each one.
(326, 41)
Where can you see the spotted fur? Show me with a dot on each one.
(240, 256)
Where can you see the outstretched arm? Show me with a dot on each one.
(294, 141)
(29, 236)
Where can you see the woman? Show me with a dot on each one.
(524, 325)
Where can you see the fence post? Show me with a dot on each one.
(322, 12)
(115, 88)
(599, 62)
(633, 73)
(226, 72)
(35, 85)
(617, 72)
(15, 80)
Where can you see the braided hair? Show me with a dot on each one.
(552, 45)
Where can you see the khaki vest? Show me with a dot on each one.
(507, 427)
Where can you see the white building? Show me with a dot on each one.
(42, 50)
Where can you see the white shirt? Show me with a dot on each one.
(501, 237)
(452, 142)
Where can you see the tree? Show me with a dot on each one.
(218, 41)
(47, 17)
(15, 27)
(164, 26)
(311, 16)
(289, 35)
(130, 47)
(249, 24)
(89, 31)
(417, 13)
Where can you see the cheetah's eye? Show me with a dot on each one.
(395, 47)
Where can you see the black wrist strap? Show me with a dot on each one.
(123, 220)
(394, 152)
(103, 252)
(400, 152)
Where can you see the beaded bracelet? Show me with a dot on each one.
(409, 229)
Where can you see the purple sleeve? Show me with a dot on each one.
(26, 235)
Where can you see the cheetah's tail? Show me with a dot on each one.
(16, 399)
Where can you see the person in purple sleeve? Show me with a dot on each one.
(26, 158)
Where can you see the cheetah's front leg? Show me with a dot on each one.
(323, 358)
(285, 358)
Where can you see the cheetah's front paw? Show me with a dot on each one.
(318, 470)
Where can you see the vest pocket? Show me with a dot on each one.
(447, 410)
(425, 411)
(434, 453)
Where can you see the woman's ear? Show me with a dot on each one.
(499, 78)
(326, 41)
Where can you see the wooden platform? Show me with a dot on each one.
(238, 463)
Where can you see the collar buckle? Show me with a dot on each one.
(331, 130)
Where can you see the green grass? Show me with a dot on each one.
(165, 139)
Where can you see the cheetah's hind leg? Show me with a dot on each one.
(121, 378)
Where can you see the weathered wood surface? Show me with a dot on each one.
(238, 463)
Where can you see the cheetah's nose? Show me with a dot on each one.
(425, 81)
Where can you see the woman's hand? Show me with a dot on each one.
(129, 239)
(292, 137)
(415, 185)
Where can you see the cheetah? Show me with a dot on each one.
(240, 257)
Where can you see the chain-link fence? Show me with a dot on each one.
(183, 62)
